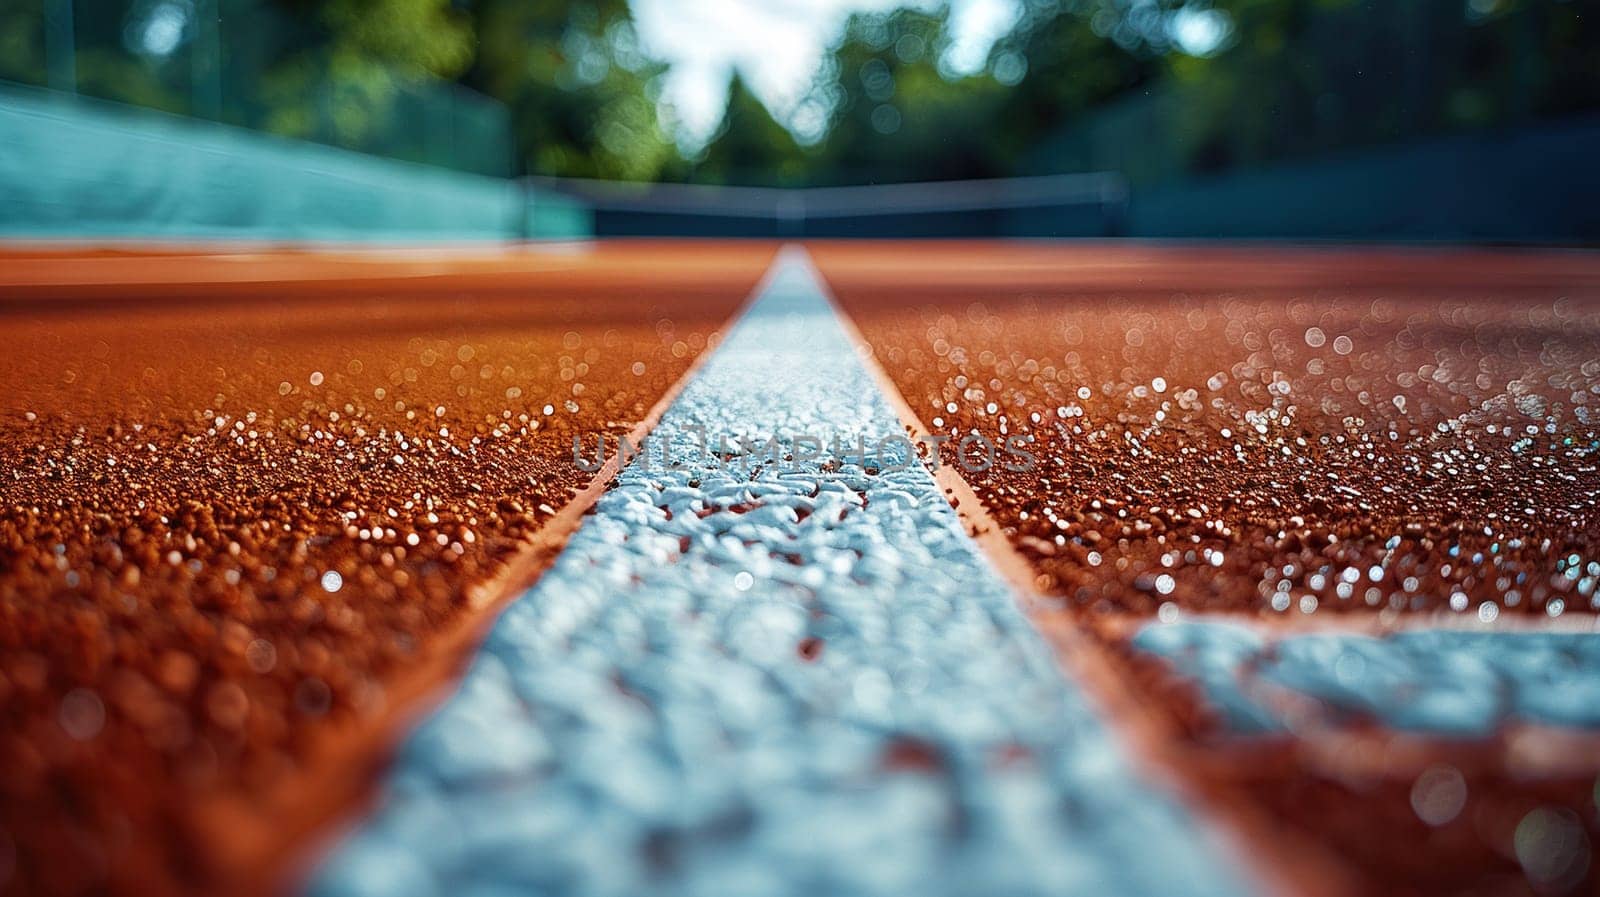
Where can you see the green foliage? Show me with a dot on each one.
(1079, 56)
(1304, 77)
(1157, 89)
(895, 112)
(342, 74)
(582, 93)
(750, 146)
(408, 37)
(22, 41)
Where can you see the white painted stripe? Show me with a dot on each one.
(643, 722)
(1444, 681)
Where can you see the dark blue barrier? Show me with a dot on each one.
(1534, 185)
(1071, 205)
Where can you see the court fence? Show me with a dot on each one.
(82, 169)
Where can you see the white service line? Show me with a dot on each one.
(801, 679)
(1445, 681)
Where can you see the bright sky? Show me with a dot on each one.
(777, 45)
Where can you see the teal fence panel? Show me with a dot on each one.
(76, 168)
(553, 215)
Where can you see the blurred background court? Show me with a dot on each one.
(1424, 120)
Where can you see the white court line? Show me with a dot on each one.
(778, 683)
(1445, 681)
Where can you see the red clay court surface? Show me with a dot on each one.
(1226, 431)
(253, 510)
(215, 618)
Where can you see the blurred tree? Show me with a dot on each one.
(22, 54)
(750, 146)
(1068, 57)
(894, 109)
(1158, 89)
(583, 94)
(409, 37)
(336, 71)
(106, 66)
(340, 70)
